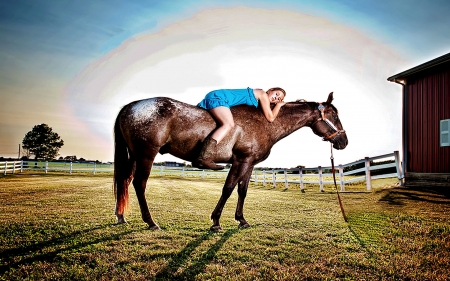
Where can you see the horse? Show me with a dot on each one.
(147, 127)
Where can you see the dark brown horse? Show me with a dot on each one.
(144, 128)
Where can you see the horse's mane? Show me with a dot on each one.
(329, 104)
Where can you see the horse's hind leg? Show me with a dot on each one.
(144, 164)
(242, 192)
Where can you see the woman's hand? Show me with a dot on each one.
(271, 114)
(265, 101)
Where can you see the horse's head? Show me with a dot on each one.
(328, 126)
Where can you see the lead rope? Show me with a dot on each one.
(335, 185)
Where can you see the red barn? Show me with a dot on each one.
(426, 122)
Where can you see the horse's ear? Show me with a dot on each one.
(330, 98)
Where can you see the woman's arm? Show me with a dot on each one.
(269, 113)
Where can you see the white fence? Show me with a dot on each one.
(189, 172)
(69, 167)
(11, 166)
(94, 168)
(300, 176)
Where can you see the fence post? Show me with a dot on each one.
(70, 169)
(341, 177)
(274, 178)
(182, 172)
(46, 167)
(160, 170)
(203, 174)
(256, 176)
(14, 167)
(21, 166)
(368, 178)
(320, 179)
(300, 172)
(285, 179)
(6, 167)
(398, 167)
(95, 167)
(264, 178)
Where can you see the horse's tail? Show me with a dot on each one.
(124, 165)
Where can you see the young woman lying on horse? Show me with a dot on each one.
(218, 103)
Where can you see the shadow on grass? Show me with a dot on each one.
(401, 196)
(198, 266)
(47, 251)
(361, 242)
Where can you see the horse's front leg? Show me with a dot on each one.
(237, 171)
(242, 192)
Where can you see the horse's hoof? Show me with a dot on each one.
(245, 225)
(154, 227)
(121, 220)
(215, 228)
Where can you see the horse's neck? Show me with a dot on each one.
(293, 117)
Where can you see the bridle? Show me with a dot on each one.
(336, 133)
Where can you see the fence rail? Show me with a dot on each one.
(11, 166)
(299, 176)
(94, 168)
(302, 176)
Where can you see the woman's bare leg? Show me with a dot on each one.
(223, 115)
(225, 119)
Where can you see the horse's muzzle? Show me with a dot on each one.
(340, 143)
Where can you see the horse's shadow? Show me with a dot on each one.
(184, 255)
(41, 250)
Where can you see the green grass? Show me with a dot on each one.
(62, 227)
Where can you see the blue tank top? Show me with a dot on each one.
(228, 98)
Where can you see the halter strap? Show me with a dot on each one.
(335, 185)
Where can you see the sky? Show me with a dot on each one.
(74, 64)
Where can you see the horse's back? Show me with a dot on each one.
(158, 111)
(162, 122)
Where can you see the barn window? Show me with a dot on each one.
(445, 132)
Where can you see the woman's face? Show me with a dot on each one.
(275, 96)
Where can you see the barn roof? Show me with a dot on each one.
(419, 68)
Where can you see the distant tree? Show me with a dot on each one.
(71, 158)
(42, 142)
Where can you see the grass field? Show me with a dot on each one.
(62, 227)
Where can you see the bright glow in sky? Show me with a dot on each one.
(85, 66)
